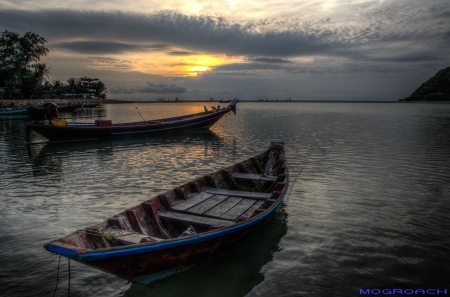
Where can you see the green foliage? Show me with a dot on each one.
(436, 88)
(19, 69)
(17, 52)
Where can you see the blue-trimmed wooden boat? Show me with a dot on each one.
(107, 129)
(13, 112)
(175, 231)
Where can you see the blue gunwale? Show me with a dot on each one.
(127, 251)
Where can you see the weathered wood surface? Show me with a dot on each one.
(193, 219)
(241, 194)
(230, 180)
(251, 176)
(223, 207)
(238, 209)
(207, 204)
(129, 238)
(193, 201)
(254, 207)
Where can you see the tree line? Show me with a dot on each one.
(22, 76)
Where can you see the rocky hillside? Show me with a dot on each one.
(436, 88)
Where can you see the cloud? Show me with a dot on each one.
(121, 90)
(161, 88)
(269, 39)
(150, 88)
(96, 47)
(269, 60)
(108, 63)
(95, 32)
(181, 53)
(247, 67)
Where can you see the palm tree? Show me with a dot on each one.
(72, 84)
(46, 88)
(37, 76)
(56, 85)
(11, 83)
(99, 88)
(40, 72)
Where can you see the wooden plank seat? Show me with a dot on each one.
(241, 194)
(183, 205)
(251, 176)
(242, 207)
(194, 219)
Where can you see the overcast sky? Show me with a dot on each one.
(299, 49)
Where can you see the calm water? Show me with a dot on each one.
(369, 210)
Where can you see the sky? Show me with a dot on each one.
(201, 49)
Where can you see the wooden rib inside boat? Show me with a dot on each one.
(186, 226)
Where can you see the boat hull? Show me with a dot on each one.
(13, 112)
(158, 266)
(154, 264)
(84, 132)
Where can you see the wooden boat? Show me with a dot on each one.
(106, 129)
(69, 108)
(13, 112)
(175, 231)
(48, 110)
(85, 105)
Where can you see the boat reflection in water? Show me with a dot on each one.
(48, 158)
(234, 273)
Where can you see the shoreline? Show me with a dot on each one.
(115, 101)
(13, 103)
(8, 103)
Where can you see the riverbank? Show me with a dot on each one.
(7, 103)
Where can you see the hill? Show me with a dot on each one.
(436, 88)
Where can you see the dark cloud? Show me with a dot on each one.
(97, 47)
(150, 88)
(107, 47)
(121, 90)
(180, 53)
(161, 88)
(247, 67)
(198, 33)
(109, 63)
(269, 39)
(270, 60)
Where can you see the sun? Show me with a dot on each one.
(172, 65)
(193, 71)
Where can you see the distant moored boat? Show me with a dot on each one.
(62, 130)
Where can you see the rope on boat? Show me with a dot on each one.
(258, 185)
(111, 234)
(293, 182)
(57, 276)
(68, 286)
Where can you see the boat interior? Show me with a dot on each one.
(109, 123)
(227, 197)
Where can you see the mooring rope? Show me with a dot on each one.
(108, 234)
(293, 182)
(68, 286)
(57, 276)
